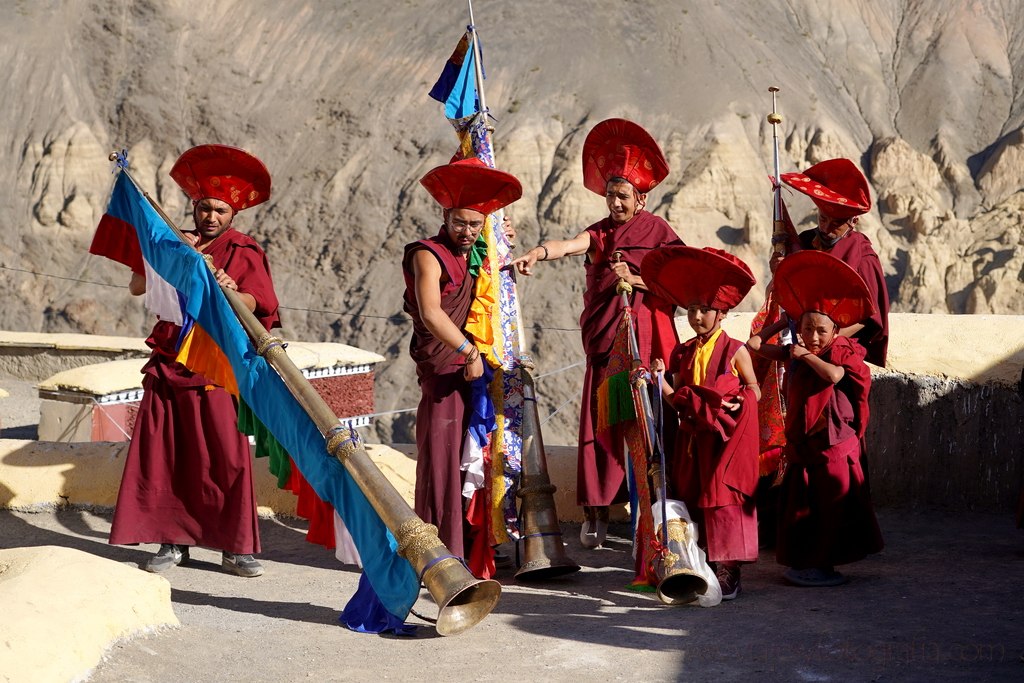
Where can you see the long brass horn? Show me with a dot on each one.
(678, 582)
(463, 600)
(543, 549)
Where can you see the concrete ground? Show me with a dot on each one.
(943, 602)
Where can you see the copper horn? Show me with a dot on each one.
(543, 549)
(678, 582)
(462, 599)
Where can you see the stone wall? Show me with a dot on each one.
(945, 442)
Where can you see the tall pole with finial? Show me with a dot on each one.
(778, 223)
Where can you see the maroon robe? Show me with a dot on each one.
(714, 469)
(188, 473)
(855, 249)
(600, 470)
(825, 514)
(441, 418)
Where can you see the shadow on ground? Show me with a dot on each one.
(941, 603)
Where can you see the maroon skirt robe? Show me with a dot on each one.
(600, 474)
(441, 418)
(188, 471)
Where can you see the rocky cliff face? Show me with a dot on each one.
(925, 95)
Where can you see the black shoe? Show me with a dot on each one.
(169, 555)
(246, 566)
(814, 578)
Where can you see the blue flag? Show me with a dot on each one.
(390, 576)
(456, 87)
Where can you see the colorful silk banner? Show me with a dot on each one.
(393, 581)
(493, 322)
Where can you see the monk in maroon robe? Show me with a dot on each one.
(840, 191)
(438, 293)
(622, 163)
(711, 384)
(825, 512)
(188, 473)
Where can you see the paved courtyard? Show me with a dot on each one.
(944, 602)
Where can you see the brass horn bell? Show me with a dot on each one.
(541, 539)
(462, 599)
(678, 583)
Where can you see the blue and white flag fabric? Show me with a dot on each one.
(390, 579)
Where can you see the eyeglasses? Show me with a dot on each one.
(466, 226)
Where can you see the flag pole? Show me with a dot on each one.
(485, 113)
(463, 601)
(477, 64)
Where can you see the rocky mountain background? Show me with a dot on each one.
(926, 95)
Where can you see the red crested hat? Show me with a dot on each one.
(617, 148)
(221, 172)
(706, 277)
(836, 186)
(816, 281)
(471, 184)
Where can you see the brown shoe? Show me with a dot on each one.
(728, 574)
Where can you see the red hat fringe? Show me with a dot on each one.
(229, 174)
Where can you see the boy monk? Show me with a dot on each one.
(713, 388)
(825, 512)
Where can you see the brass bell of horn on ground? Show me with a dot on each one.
(678, 581)
(462, 599)
(541, 537)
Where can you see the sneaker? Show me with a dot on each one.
(814, 578)
(168, 556)
(729, 579)
(243, 565)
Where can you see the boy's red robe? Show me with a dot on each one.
(730, 435)
(826, 517)
(715, 463)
